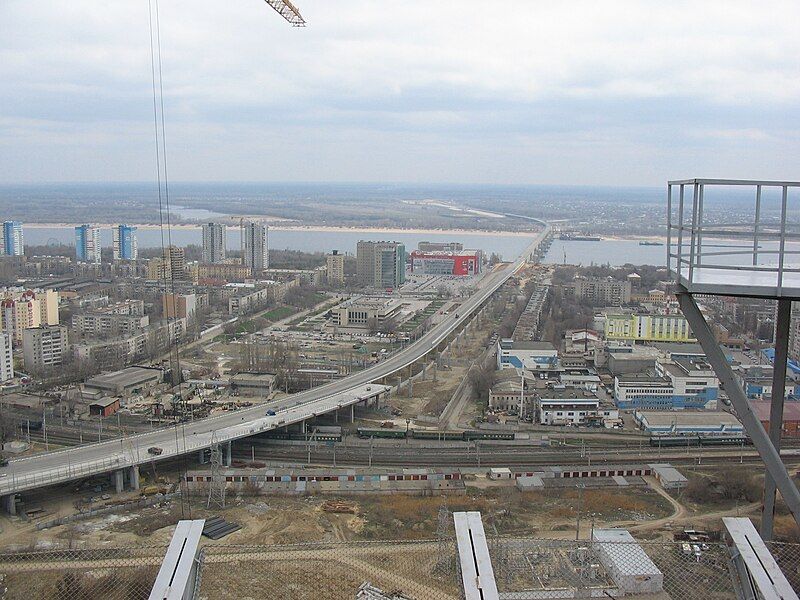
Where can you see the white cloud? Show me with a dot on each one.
(562, 84)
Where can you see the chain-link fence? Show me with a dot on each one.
(108, 573)
(525, 569)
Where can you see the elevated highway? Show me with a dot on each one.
(121, 457)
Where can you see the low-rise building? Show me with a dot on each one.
(126, 382)
(791, 416)
(688, 422)
(564, 406)
(253, 384)
(672, 385)
(506, 394)
(756, 381)
(647, 327)
(363, 311)
(531, 355)
(104, 407)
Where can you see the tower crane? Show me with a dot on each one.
(288, 11)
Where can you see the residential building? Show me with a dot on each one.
(255, 247)
(87, 244)
(529, 355)
(101, 323)
(12, 242)
(647, 327)
(182, 306)
(604, 291)
(124, 242)
(652, 297)
(172, 265)
(22, 309)
(381, 264)
(794, 332)
(6, 358)
(335, 263)
(44, 347)
(463, 263)
(214, 242)
(440, 246)
(223, 271)
(248, 297)
(673, 385)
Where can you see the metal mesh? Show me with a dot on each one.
(788, 558)
(323, 571)
(111, 573)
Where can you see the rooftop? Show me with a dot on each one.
(658, 418)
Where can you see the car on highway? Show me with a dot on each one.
(155, 451)
(270, 413)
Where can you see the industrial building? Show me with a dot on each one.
(669, 477)
(334, 481)
(103, 407)
(462, 263)
(756, 381)
(214, 242)
(125, 383)
(687, 422)
(531, 355)
(631, 570)
(506, 393)
(570, 406)
(125, 246)
(678, 384)
(252, 384)
(791, 416)
(381, 264)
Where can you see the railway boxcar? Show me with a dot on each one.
(364, 432)
(488, 435)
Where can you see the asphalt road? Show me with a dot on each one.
(74, 463)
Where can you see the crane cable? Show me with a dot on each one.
(164, 213)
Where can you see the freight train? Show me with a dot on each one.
(429, 434)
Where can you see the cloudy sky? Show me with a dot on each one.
(619, 93)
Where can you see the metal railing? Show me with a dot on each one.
(739, 246)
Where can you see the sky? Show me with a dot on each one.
(440, 91)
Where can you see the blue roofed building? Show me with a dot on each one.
(531, 355)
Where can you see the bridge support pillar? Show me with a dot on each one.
(302, 426)
(10, 504)
(118, 479)
(353, 412)
(134, 477)
(201, 457)
(336, 416)
(424, 368)
(410, 387)
(228, 454)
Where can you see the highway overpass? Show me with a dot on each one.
(121, 457)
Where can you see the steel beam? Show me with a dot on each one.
(766, 450)
(177, 575)
(477, 575)
(776, 408)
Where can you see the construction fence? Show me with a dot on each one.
(524, 568)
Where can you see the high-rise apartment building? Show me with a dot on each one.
(255, 247)
(335, 264)
(381, 264)
(214, 237)
(12, 243)
(22, 309)
(87, 244)
(6, 358)
(172, 265)
(124, 239)
(44, 347)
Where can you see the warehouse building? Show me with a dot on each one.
(685, 422)
(791, 416)
(529, 355)
(669, 477)
(125, 383)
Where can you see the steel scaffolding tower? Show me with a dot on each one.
(708, 252)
